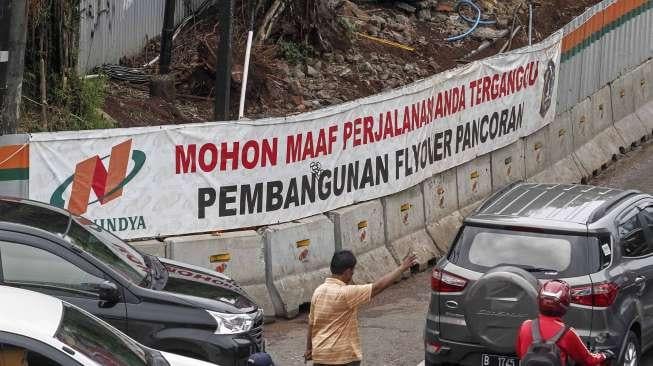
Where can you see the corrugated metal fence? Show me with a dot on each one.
(602, 44)
(111, 29)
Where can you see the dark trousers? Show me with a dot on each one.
(355, 363)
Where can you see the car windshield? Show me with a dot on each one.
(108, 248)
(542, 253)
(97, 340)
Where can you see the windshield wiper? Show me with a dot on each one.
(157, 271)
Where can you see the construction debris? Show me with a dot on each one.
(361, 48)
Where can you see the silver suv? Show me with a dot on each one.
(599, 240)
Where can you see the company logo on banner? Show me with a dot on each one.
(547, 89)
(91, 174)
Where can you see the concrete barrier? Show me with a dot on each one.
(565, 167)
(239, 255)
(643, 90)
(623, 99)
(568, 170)
(606, 136)
(595, 138)
(298, 256)
(441, 208)
(508, 164)
(405, 226)
(648, 76)
(645, 114)
(581, 117)
(151, 247)
(536, 152)
(360, 228)
(561, 137)
(631, 130)
(474, 180)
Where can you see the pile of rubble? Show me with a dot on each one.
(392, 43)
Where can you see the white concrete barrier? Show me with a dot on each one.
(643, 91)
(441, 208)
(648, 75)
(239, 255)
(623, 99)
(606, 136)
(508, 164)
(631, 130)
(405, 226)
(360, 228)
(565, 167)
(581, 117)
(600, 140)
(536, 153)
(645, 114)
(474, 181)
(151, 247)
(298, 258)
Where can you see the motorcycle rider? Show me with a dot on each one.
(553, 300)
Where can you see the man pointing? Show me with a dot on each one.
(333, 322)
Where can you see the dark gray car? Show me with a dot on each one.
(599, 240)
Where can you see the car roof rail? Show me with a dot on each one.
(496, 194)
(609, 204)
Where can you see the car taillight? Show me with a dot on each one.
(442, 281)
(600, 295)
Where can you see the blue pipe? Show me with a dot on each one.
(475, 22)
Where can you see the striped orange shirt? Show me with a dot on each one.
(334, 321)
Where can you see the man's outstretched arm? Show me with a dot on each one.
(390, 278)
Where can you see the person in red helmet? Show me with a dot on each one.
(553, 300)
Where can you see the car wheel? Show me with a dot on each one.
(631, 353)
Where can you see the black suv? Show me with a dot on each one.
(161, 303)
(599, 240)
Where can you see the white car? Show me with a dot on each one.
(37, 329)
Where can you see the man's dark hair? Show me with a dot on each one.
(342, 261)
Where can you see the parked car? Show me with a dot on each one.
(599, 240)
(161, 303)
(45, 331)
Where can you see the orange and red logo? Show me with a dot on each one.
(91, 174)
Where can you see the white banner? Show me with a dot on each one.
(144, 182)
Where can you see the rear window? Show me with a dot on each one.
(543, 254)
(33, 215)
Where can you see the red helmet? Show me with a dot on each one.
(554, 298)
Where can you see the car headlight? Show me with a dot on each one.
(232, 323)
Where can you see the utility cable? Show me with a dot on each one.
(475, 22)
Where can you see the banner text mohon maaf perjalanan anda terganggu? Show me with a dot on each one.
(168, 180)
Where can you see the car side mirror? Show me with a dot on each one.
(109, 292)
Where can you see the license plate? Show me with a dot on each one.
(496, 360)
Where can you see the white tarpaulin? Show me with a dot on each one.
(168, 180)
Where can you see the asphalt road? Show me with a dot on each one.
(391, 326)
